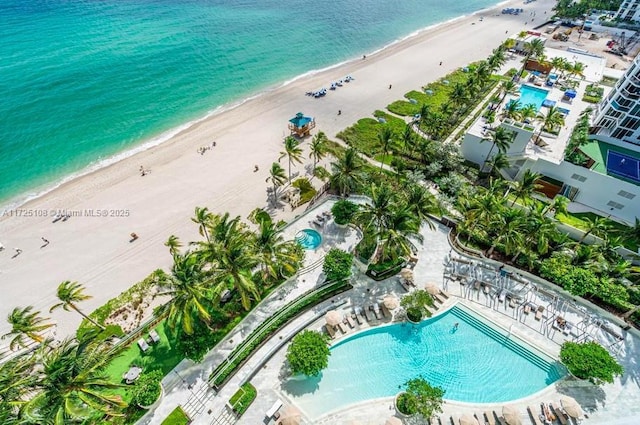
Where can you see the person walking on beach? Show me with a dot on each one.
(389, 86)
(339, 112)
(46, 242)
(18, 252)
(440, 63)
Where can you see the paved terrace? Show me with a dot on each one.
(617, 403)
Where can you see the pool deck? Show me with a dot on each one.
(617, 403)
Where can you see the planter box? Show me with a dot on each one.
(155, 403)
(395, 404)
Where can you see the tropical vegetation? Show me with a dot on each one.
(419, 397)
(337, 265)
(308, 353)
(591, 361)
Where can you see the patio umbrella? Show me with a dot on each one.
(571, 406)
(333, 318)
(390, 302)
(511, 415)
(406, 273)
(468, 420)
(290, 416)
(393, 421)
(432, 288)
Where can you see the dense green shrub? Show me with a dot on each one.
(308, 353)
(147, 388)
(337, 265)
(420, 397)
(414, 314)
(343, 211)
(243, 398)
(590, 360)
(416, 303)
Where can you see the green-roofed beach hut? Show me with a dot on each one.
(300, 125)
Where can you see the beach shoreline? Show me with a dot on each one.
(95, 249)
(25, 199)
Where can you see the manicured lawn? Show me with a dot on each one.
(161, 356)
(363, 135)
(577, 220)
(177, 417)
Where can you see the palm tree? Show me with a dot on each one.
(510, 224)
(25, 323)
(552, 119)
(292, 151)
(347, 172)
(174, 244)
(69, 293)
(203, 219)
(500, 137)
(557, 206)
(498, 162)
(535, 50)
(278, 257)
(318, 148)
(17, 379)
(528, 112)
(497, 58)
(421, 203)
(539, 230)
(577, 68)
(189, 287)
(374, 215)
(407, 138)
(278, 178)
(598, 226)
(526, 186)
(73, 386)
(559, 64)
(384, 137)
(458, 95)
(401, 225)
(508, 87)
(235, 259)
(512, 110)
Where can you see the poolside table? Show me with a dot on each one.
(132, 374)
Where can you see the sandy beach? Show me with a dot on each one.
(96, 251)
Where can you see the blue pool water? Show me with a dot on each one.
(532, 95)
(476, 363)
(309, 238)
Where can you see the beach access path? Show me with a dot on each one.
(95, 250)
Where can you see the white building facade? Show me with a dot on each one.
(629, 11)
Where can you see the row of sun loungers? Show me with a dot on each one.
(372, 313)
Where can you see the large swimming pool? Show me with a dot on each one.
(532, 95)
(477, 363)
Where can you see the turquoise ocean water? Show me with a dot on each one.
(84, 80)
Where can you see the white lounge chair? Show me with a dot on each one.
(343, 327)
(376, 310)
(349, 321)
(539, 312)
(274, 409)
(143, 345)
(357, 317)
(535, 415)
(154, 336)
(330, 331)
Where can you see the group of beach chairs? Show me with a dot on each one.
(323, 91)
(322, 219)
(372, 313)
(154, 338)
(545, 414)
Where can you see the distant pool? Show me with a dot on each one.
(477, 364)
(309, 239)
(532, 95)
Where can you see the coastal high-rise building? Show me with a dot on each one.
(629, 11)
(618, 116)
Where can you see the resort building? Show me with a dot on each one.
(607, 179)
(629, 11)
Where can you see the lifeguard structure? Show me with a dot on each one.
(300, 125)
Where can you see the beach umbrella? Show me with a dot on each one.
(511, 415)
(393, 421)
(571, 406)
(468, 420)
(406, 273)
(390, 302)
(290, 416)
(333, 318)
(432, 288)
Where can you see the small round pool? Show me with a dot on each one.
(309, 238)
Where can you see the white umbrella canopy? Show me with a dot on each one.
(393, 421)
(290, 416)
(391, 302)
(406, 273)
(468, 420)
(333, 318)
(511, 415)
(571, 406)
(432, 288)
